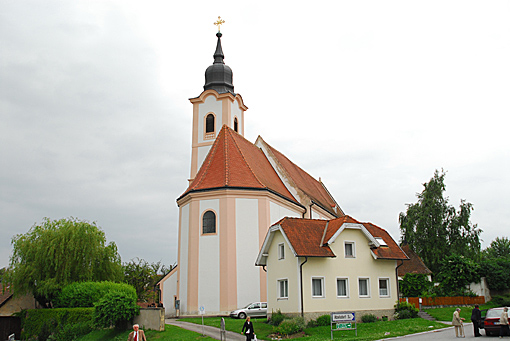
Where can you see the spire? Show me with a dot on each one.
(218, 76)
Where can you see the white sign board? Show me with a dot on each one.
(344, 316)
(202, 310)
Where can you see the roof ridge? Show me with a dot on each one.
(244, 158)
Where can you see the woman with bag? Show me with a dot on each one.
(248, 326)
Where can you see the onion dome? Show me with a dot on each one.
(218, 76)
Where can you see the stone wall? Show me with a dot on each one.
(151, 318)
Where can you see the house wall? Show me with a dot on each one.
(17, 304)
(282, 269)
(363, 265)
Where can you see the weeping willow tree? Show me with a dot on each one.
(56, 253)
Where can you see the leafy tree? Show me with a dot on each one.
(59, 252)
(435, 230)
(456, 273)
(414, 285)
(115, 309)
(143, 276)
(499, 248)
(497, 273)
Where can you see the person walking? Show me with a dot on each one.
(248, 326)
(457, 323)
(503, 322)
(137, 334)
(476, 318)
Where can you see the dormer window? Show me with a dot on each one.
(236, 126)
(381, 241)
(209, 126)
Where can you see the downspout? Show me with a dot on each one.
(301, 279)
(396, 274)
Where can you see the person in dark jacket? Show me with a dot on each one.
(248, 326)
(476, 318)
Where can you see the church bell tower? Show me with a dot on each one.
(216, 106)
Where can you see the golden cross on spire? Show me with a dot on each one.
(219, 22)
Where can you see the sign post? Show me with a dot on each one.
(202, 312)
(343, 320)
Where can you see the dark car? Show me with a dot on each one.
(491, 321)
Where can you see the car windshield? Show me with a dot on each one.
(494, 313)
(249, 304)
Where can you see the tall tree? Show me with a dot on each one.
(499, 248)
(435, 230)
(59, 252)
(143, 276)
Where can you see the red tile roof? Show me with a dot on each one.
(235, 162)
(414, 265)
(305, 236)
(304, 181)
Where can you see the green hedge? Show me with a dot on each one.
(39, 324)
(86, 294)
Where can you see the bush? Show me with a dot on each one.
(324, 320)
(40, 324)
(290, 326)
(502, 300)
(276, 318)
(71, 332)
(368, 318)
(115, 308)
(86, 294)
(405, 310)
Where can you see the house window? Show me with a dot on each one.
(342, 287)
(209, 222)
(381, 241)
(281, 251)
(350, 251)
(283, 288)
(236, 126)
(318, 287)
(384, 287)
(364, 287)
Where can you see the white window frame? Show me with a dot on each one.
(387, 286)
(346, 279)
(278, 287)
(281, 251)
(347, 242)
(368, 287)
(323, 294)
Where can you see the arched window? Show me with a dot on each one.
(235, 125)
(209, 222)
(209, 124)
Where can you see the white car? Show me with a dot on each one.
(256, 309)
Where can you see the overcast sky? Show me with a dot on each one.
(370, 96)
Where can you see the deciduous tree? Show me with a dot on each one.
(143, 276)
(435, 230)
(56, 253)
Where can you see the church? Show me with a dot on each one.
(237, 189)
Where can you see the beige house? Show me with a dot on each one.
(315, 267)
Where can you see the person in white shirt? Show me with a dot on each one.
(137, 334)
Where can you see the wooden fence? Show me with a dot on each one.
(443, 301)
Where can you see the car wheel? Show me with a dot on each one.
(242, 315)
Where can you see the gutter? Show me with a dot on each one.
(396, 277)
(301, 279)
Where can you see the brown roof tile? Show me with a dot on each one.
(304, 181)
(233, 161)
(4, 295)
(305, 236)
(414, 265)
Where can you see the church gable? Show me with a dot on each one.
(304, 187)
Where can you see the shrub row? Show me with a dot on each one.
(40, 324)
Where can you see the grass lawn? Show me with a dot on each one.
(446, 314)
(170, 333)
(366, 331)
